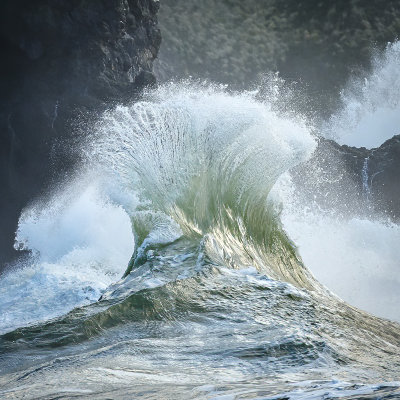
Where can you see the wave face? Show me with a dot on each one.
(162, 270)
(203, 163)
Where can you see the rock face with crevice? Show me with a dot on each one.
(62, 60)
(353, 181)
(384, 177)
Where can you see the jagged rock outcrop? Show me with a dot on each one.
(355, 181)
(62, 60)
(384, 177)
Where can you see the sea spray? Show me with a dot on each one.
(370, 112)
(355, 258)
(189, 159)
(79, 242)
(217, 301)
(353, 255)
(207, 159)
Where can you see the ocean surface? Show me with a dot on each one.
(175, 262)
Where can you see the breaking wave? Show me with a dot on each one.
(167, 253)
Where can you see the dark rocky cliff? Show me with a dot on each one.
(384, 177)
(62, 60)
(350, 180)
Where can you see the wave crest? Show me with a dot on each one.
(207, 160)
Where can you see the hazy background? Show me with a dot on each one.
(317, 43)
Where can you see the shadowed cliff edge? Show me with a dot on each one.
(351, 180)
(62, 61)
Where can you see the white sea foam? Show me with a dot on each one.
(81, 238)
(81, 243)
(355, 258)
(371, 107)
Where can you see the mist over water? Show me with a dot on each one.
(371, 106)
(355, 258)
(178, 260)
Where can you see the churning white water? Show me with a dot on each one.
(215, 303)
(371, 107)
(356, 258)
(80, 241)
(82, 238)
(149, 154)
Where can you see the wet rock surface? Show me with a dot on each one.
(384, 177)
(356, 181)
